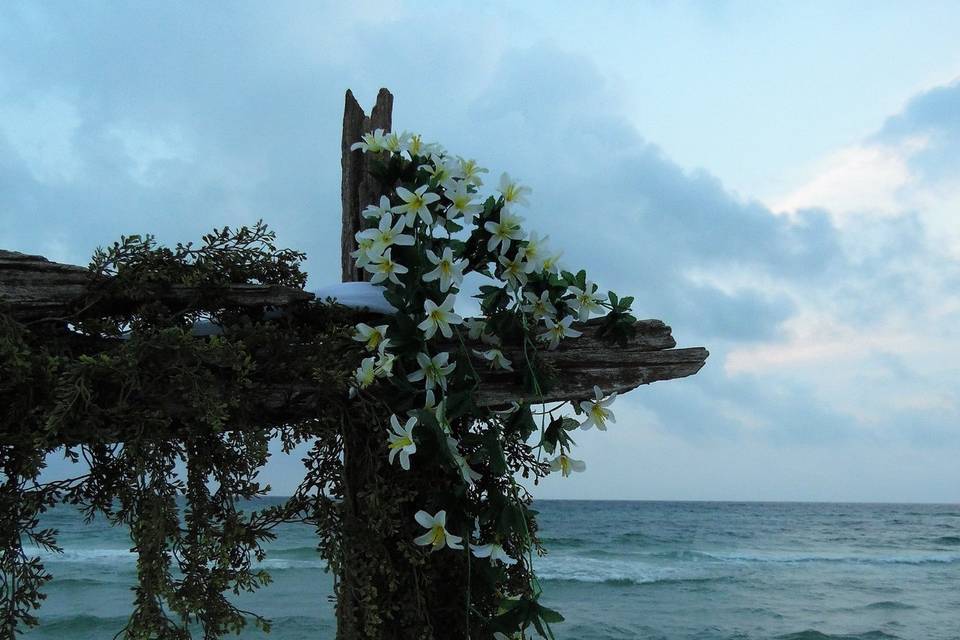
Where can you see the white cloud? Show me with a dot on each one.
(856, 179)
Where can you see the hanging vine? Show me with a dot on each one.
(416, 490)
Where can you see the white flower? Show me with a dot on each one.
(475, 327)
(413, 143)
(513, 192)
(387, 234)
(463, 202)
(493, 551)
(438, 409)
(384, 268)
(437, 534)
(503, 232)
(441, 169)
(551, 263)
(395, 143)
(401, 441)
(417, 204)
(556, 331)
(536, 250)
(366, 372)
(496, 358)
(373, 336)
(539, 307)
(373, 211)
(365, 252)
(516, 270)
(586, 301)
(433, 371)
(448, 271)
(596, 410)
(439, 317)
(370, 142)
(471, 172)
(565, 464)
(469, 475)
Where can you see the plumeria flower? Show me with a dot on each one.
(596, 410)
(401, 441)
(493, 551)
(551, 263)
(387, 234)
(447, 271)
(364, 253)
(373, 336)
(556, 331)
(395, 143)
(378, 211)
(469, 475)
(516, 270)
(366, 372)
(565, 464)
(438, 409)
(475, 327)
(513, 192)
(385, 361)
(439, 317)
(413, 144)
(587, 300)
(441, 169)
(471, 172)
(384, 268)
(370, 142)
(496, 358)
(539, 307)
(503, 232)
(536, 249)
(437, 534)
(433, 371)
(462, 201)
(417, 204)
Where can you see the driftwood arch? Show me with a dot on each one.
(36, 292)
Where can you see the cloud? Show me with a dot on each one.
(829, 327)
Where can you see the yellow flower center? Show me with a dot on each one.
(596, 412)
(438, 535)
(401, 443)
(374, 339)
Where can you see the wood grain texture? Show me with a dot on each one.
(357, 188)
(32, 288)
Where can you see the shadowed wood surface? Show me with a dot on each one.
(32, 287)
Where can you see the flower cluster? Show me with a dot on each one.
(430, 230)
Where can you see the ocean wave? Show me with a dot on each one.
(948, 540)
(617, 572)
(813, 634)
(801, 558)
(889, 604)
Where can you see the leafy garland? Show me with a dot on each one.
(429, 231)
(442, 470)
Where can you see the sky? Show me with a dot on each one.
(779, 182)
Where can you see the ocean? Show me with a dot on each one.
(618, 570)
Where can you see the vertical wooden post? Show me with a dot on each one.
(357, 188)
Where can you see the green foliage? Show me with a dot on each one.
(173, 429)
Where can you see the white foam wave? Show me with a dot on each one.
(613, 571)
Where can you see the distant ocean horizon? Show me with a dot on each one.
(618, 569)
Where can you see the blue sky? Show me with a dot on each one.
(779, 182)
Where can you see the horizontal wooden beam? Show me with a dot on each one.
(32, 288)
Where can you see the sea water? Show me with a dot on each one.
(691, 570)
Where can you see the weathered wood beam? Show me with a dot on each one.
(357, 187)
(32, 287)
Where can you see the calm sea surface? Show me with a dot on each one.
(667, 570)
